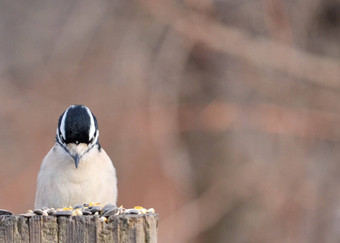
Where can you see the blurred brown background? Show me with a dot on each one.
(223, 115)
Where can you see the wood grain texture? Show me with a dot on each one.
(85, 229)
(20, 230)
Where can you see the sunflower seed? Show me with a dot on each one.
(132, 211)
(63, 213)
(108, 207)
(5, 212)
(50, 211)
(28, 215)
(79, 206)
(95, 209)
(86, 212)
(38, 211)
(110, 212)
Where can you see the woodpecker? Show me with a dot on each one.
(76, 170)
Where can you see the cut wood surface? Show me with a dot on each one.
(88, 229)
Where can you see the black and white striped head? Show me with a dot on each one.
(77, 131)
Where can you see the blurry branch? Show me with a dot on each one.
(211, 206)
(79, 25)
(282, 89)
(202, 6)
(220, 116)
(238, 43)
(278, 21)
(168, 66)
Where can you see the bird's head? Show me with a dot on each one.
(77, 131)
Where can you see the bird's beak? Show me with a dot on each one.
(76, 159)
(76, 152)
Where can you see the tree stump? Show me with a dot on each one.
(88, 229)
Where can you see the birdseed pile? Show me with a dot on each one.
(103, 211)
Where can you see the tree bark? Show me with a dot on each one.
(127, 228)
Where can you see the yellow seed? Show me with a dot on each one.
(77, 212)
(143, 210)
(29, 211)
(94, 203)
(138, 207)
(151, 210)
(103, 219)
